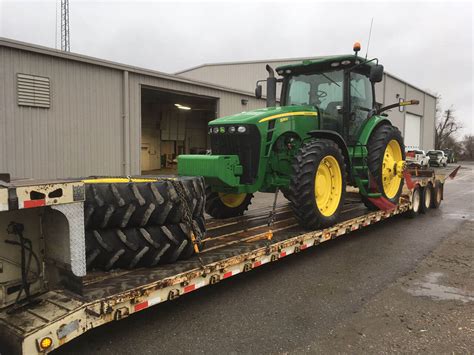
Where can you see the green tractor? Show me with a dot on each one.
(327, 133)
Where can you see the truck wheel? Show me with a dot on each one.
(437, 195)
(224, 205)
(386, 149)
(318, 184)
(139, 247)
(415, 202)
(137, 204)
(426, 194)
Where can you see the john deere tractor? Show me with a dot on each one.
(328, 132)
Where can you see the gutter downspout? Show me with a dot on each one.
(126, 124)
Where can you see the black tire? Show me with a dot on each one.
(302, 183)
(216, 208)
(376, 146)
(437, 196)
(426, 195)
(416, 203)
(138, 204)
(286, 193)
(139, 247)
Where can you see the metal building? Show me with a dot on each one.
(68, 115)
(417, 123)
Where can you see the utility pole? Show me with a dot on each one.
(65, 44)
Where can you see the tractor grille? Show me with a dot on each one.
(245, 145)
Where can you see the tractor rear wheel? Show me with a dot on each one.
(385, 150)
(224, 205)
(318, 184)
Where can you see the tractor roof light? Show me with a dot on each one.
(335, 64)
(242, 129)
(215, 130)
(356, 47)
(232, 129)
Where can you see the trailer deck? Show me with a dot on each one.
(231, 247)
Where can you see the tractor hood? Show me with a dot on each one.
(265, 114)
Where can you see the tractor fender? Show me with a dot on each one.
(369, 126)
(337, 138)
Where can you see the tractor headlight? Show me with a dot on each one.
(241, 129)
(215, 130)
(232, 129)
(210, 130)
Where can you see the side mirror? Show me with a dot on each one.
(376, 73)
(258, 91)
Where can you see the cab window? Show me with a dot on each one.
(361, 101)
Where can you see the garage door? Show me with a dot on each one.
(412, 131)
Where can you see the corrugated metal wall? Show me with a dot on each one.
(81, 134)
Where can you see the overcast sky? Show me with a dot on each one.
(429, 44)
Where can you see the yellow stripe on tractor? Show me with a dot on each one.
(123, 180)
(288, 114)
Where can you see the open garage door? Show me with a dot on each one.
(412, 131)
(172, 124)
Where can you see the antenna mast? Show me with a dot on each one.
(370, 34)
(65, 44)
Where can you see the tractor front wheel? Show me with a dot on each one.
(318, 184)
(226, 205)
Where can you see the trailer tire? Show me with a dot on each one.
(220, 205)
(147, 246)
(318, 160)
(437, 196)
(138, 204)
(416, 203)
(426, 194)
(386, 146)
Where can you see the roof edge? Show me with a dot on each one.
(11, 43)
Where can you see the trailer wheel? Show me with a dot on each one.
(139, 247)
(318, 184)
(224, 205)
(437, 195)
(426, 194)
(415, 202)
(141, 203)
(386, 149)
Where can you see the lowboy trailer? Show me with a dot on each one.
(64, 301)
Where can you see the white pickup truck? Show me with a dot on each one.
(437, 158)
(417, 157)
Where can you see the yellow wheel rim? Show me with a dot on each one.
(390, 181)
(232, 200)
(328, 186)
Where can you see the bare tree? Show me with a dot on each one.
(468, 147)
(446, 127)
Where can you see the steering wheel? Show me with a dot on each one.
(321, 94)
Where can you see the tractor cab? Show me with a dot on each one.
(341, 88)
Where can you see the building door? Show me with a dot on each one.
(145, 157)
(412, 135)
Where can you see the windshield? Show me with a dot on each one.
(316, 89)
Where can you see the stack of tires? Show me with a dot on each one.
(134, 223)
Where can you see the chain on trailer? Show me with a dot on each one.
(195, 235)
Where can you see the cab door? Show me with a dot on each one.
(361, 101)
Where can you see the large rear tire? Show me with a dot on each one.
(223, 205)
(138, 204)
(139, 247)
(318, 184)
(385, 149)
